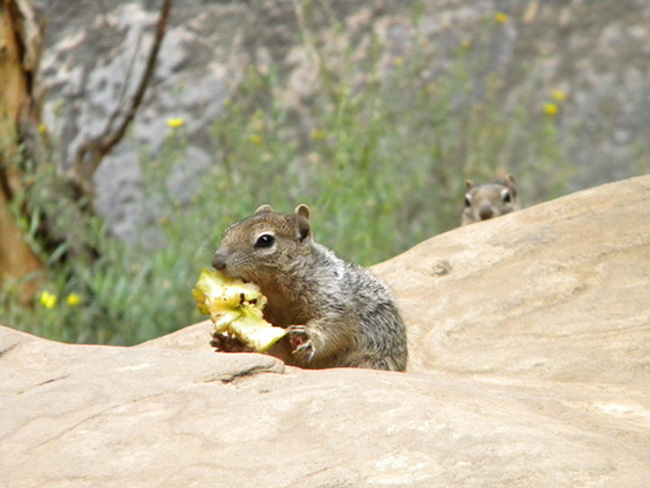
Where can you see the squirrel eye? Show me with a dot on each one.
(468, 201)
(265, 240)
(506, 196)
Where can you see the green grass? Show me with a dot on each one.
(382, 164)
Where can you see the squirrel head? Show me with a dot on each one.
(265, 245)
(489, 200)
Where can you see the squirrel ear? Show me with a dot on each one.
(469, 184)
(263, 209)
(509, 181)
(302, 210)
(301, 215)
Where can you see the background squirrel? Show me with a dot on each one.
(337, 313)
(489, 200)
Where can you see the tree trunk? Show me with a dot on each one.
(20, 109)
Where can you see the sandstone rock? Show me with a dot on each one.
(108, 416)
(558, 291)
(530, 340)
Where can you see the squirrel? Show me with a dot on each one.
(337, 314)
(489, 200)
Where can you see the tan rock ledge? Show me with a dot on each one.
(530, 367)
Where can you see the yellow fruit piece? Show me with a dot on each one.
(236, 307)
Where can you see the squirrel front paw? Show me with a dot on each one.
(302, 345)
(228, 343)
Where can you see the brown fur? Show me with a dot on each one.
(338, 314)
(489, 200)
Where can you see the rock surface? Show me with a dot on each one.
(559, 291)
(530, 342)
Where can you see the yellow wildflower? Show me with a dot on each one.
(73, 299)
(551, 109)
(47, 299)
(175, 122)
(42, 128)
(501, 18)
(257, 139)
(559, 95)
(317, 135)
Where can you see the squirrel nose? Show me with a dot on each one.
(486, 212)
(219, 262)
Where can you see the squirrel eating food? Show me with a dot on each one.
(336, 314)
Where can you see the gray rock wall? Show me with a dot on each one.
(597, 53)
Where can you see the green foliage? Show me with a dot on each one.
(381, 159)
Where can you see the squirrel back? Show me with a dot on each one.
(483, 202)
(337, 313)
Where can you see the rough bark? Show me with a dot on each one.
(20, 108)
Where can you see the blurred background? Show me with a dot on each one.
(149, 126)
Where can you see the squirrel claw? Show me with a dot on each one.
(301, 342)
(227, 343)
